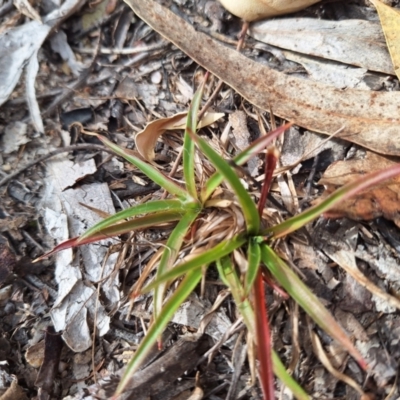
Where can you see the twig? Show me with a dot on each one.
(76, 147)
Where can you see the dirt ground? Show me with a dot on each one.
(64, 326)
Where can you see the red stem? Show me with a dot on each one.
(264, 344)
(263, 340)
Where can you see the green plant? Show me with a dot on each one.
(191, 206)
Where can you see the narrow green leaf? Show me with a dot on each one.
(288, 381)
(296, 222)
(249, 209)
(254, 259)
(207, 257)
(229, 276)
(145, 208)
(188, 144)
(139, 223)
(258, 145)
(181, 293)
(170, 255)
(307, 300)
(153, 173)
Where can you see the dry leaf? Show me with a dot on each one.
(370, 119)
(14, 392)
(322, 356)
(354, 42)
(251, 10)
(390, 20)
(24, 7)
(382, 200)
(147, 138)
(35, 354)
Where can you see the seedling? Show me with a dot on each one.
(197, 243)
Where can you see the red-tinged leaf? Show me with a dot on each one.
(256, 147)
(66, 244)
(308, 301)
(271, 158)
(294, 223)
(264, 344)
(116, 230)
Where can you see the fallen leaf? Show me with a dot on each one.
(14, 392)
(251, 10)
(341, 247)
(370, 119)
(35, 354)
(19, 47)
(390, 21)
(15, 135)
(352, 42)
(76, 305)
(382, 200)
(333, 73)
(323, 357)
(24, 7)
(147, 138)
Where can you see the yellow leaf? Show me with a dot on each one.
(390, 21)
(147, 138)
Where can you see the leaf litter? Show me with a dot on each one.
(84, 280)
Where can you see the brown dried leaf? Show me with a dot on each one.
(147, 138)
(35, 354)
(381, 200)
(370, 119)
(14, 392)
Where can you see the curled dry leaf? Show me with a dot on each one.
(323, 357)
(251, 10)
(382, 200)
(370, 119)
(390, 21)
(147, 138)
